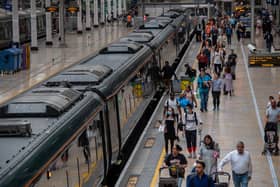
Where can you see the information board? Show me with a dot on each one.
(264, 60)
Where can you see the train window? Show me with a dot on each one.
(75, 165)
(130, 98)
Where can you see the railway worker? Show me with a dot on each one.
(177, 163)
(192, 125)
(241, 165)
(203, 85)
(199, 179)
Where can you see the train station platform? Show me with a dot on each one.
(241, 117)
(49, 60)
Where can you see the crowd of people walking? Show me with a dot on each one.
(217, 63)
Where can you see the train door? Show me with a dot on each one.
(112, 128)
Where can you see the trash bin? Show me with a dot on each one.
(185, 81)
(19, 58)
(9, 58)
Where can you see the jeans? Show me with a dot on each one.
(203, 99)
(180, 181)
(191, 140)
(218, 68)
(216, 99)
(229, 40)
(240, 180)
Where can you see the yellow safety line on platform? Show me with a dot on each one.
(156, 175)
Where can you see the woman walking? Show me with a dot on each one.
(228, 82)
(190, 120)
(209, 152)
(169, 129)
(217, 85)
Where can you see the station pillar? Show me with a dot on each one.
(95, 11)
(115, 9)
(109, 10)
(102, 7)
(15, 19)
(79, 18)
(61, 22)
(48, 25)
(88, 17)
(119, 7)
(34, 37)
(252, 21)
(124, 6)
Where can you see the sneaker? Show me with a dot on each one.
(201, 110)
(194, 156)
(214, 108)
(190, 155)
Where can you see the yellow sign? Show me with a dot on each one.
(51, 9)
(72, 9)
(265, 61)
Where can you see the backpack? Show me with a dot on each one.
(228, 31)
(195, 117)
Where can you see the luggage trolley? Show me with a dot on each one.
(218, 182)
(168, 180)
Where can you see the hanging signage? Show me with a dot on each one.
(52, 9)
(72, 9)
(264, 60)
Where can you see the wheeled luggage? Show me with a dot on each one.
(270, 138)
(221, 179)
(167, 181)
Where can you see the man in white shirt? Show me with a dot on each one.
(241, 165)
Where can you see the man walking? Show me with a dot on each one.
(199, 179)
(177, 163)
(241, 165)
(269, 40)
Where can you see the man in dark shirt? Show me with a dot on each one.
(167, 71)
(179, 162)
(200, 179)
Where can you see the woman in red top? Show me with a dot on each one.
(202, 60)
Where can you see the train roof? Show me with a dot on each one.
(38, 117)
(141, 37)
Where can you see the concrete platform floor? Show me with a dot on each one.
(240, 118)
(49, 60)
